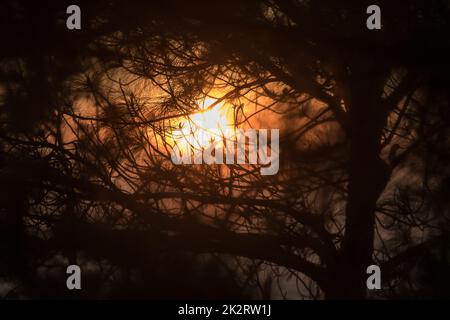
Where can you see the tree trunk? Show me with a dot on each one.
(368, 176)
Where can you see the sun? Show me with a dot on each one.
(212, 123)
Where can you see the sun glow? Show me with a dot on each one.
(213, 123)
